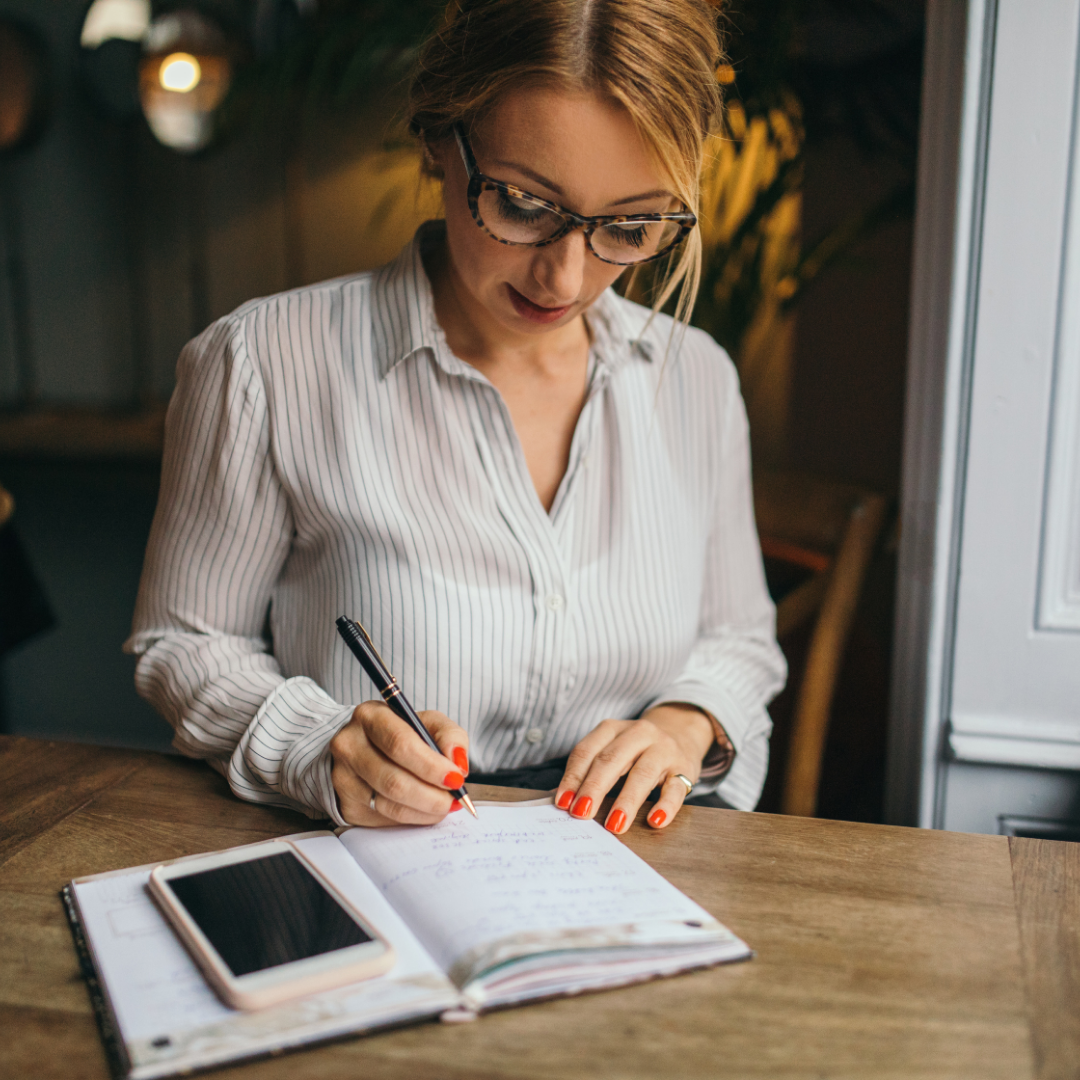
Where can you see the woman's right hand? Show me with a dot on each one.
(380, 762)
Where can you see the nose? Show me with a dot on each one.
(559, 269)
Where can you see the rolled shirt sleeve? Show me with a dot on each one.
(220, 537)
(735, 667)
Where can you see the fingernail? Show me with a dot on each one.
(615, 821)
(453, 780)
(455, 805)
(564, 800)
(657, 818)
(582, 806)
(461, 759)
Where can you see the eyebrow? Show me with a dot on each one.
(552, 186)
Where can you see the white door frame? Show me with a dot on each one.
(983, 687)
(951, 182)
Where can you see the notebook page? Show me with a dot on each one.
(170, 1018)
(523, 880)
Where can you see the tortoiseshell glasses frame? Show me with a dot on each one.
(685, 220)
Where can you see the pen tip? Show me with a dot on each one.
(468, 804)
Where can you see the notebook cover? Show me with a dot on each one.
(110, 1035)
(115, 1050)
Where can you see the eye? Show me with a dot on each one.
(631, 233)
(518, 209)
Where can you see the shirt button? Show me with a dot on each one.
(534, 735)
(555, 602)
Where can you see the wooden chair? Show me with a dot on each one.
(828, 530)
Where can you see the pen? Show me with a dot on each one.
(356, 637)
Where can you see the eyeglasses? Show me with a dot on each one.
(512, 215)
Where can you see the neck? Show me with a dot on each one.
(476, 338)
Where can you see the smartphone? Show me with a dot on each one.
(265, 926)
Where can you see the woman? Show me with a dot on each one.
(535, 495)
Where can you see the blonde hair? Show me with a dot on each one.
(657, 58)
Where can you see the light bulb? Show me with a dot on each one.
(184, 75)
(180, 73)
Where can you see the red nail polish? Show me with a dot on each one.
(461, 759)
(616, 820)
(582, 806)
(453, 780)
(657, 818)
(455, 805)
(564, 800)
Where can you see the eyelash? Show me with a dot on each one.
(512, 210)
(633, 237)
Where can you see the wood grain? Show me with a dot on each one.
(1046, 877)
(880, 952)
(50, 1043)
(44, 782)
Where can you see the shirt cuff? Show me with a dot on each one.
(287, 748)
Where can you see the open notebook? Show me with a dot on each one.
(526, 902)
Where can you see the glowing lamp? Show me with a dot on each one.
(180, 72)
(184, 75)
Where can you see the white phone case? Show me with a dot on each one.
(260, 989)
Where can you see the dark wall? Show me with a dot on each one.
(84, 528)
(114, 251)
(847, 403)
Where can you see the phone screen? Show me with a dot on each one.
(266, 912)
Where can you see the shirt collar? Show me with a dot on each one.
(619, 329)
(402, 306)
(403, 316)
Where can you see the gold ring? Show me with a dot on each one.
(689, 783)
(371, 801)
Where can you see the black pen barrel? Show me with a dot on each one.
(407, 713)
(360, 646)
(371, 664)
(400, 704)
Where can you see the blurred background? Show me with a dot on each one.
(161, 164)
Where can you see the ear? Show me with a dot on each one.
(433, 157)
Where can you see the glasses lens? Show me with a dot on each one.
(634, 241)
(521, 221)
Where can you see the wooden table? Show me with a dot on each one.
(881, 952)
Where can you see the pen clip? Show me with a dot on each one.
(371, 645)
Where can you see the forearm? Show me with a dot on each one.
(229, 703)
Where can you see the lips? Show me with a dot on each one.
(532, 311)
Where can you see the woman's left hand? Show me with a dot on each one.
(667, 740)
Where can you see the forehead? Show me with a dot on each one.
(583, 144)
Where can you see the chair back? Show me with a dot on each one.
(829, 531)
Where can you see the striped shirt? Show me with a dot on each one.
(327, 454)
